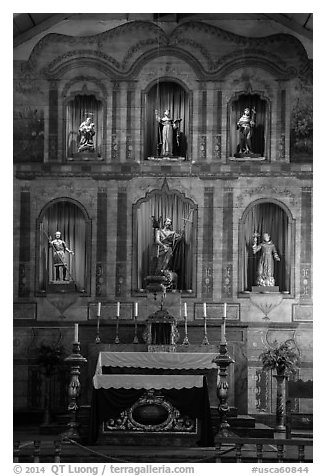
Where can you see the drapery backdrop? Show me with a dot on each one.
(259, 131)
(67, 218)
(76, 112)
(166, 95)
(267, 218)
(165, 206)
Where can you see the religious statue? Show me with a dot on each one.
(59, 252)
(168, 125)
(245, 124)
(265, 271)
(87, 132)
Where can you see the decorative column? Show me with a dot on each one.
(74, 360)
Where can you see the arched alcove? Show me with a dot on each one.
(161, 204)
(166, 95)
(260, 112)
(272, 217)
(77, 109)
(70, 218)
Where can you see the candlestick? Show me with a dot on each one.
(76, 333)
(117, 340)
(99, 309)
(136, 309)
(186, 340)
(224, 314)
(205, 339)
(97, 338)
(204, 309)
(223, 326)
(185, 309)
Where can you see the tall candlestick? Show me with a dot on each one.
(99, 309)
(205, 325)
(118, 309)
(224, 314)
(223, 340)
(185, 309)
(76, 332)
(204, 309)
(136, 309)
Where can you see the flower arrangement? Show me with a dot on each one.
(284, 358)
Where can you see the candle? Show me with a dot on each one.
(185, 309)
(118, 309)
(99, 309)
(76, 332)
(204, 308)
(136, 309)
(224, 315)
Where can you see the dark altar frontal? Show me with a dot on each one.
(151, 408)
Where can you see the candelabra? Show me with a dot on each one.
(74, 360)
(223, 360)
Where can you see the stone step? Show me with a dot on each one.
(258, 431)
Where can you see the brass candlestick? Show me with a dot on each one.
(74, 360)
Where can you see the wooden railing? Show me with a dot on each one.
(226, 450)
(261, 450)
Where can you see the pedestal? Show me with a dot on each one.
(265, 289)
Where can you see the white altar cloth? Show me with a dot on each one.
(156, 360)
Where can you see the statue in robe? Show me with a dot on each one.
(246, 124)
(168, 126)
(265, 270)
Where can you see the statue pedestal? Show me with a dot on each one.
(85, 155)
(265, 289)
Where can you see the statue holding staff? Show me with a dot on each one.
(265, 271)
(59, 256)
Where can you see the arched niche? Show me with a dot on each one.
(260, 138)
(71, 219)
(77, 107)
(164, 203)
(166, 94)
(272, 217)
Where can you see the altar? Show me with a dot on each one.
(159, 396)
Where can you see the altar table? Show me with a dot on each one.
(114, 394)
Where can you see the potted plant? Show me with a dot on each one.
(50, 359)
(284, 359)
